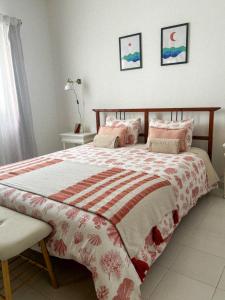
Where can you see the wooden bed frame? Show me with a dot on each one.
(174, 111)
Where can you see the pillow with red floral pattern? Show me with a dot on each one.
(133, 127)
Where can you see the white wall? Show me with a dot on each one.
(39, 67)
(85, 35)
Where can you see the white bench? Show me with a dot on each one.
(18, 233)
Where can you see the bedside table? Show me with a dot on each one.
(76, 138)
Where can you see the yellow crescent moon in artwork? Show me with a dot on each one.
(172, 36)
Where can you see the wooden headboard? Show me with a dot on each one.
(176, 113)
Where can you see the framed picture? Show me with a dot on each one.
(174, 44)
(130, 52)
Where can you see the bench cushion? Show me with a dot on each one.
(19, 232)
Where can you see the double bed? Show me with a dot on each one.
(112, 210)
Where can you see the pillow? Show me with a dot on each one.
(165, 133)
(120, 132)
(187, 124)
(133, 127)
(170, 146)
(106, 141)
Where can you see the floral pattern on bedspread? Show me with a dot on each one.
(92, 240)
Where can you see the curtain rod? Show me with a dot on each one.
(19, 20)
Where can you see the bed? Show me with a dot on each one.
(94, 197)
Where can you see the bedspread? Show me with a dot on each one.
(93, 240)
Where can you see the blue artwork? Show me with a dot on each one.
(130, 52)
(174, 44)
(136, 56)
(173, 51)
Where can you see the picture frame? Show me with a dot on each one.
(174, 44)
(130, 52)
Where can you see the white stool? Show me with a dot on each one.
(17, 234)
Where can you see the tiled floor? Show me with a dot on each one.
(191, 268)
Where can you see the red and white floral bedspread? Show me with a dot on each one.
(92, 240)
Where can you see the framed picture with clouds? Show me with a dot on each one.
(130, 52)
(174, 44)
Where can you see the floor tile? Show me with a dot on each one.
(199, 265)
(191, 222)
(217, 206)
(217, 192)
(221, 284)
(152, 280)
(197, 213)
(83, 290)
(75, 282)
(26, 293)
(169, 255)
(214, 224)
(201, 240)
(219, 295)
(176, 287)
(209, 203)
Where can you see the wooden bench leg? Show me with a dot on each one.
(6, 280)
(48, 264)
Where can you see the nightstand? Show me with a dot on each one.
(76, 138)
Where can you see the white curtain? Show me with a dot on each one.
(16, 129)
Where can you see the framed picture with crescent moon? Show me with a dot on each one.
(130, 52)
(174, 44)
